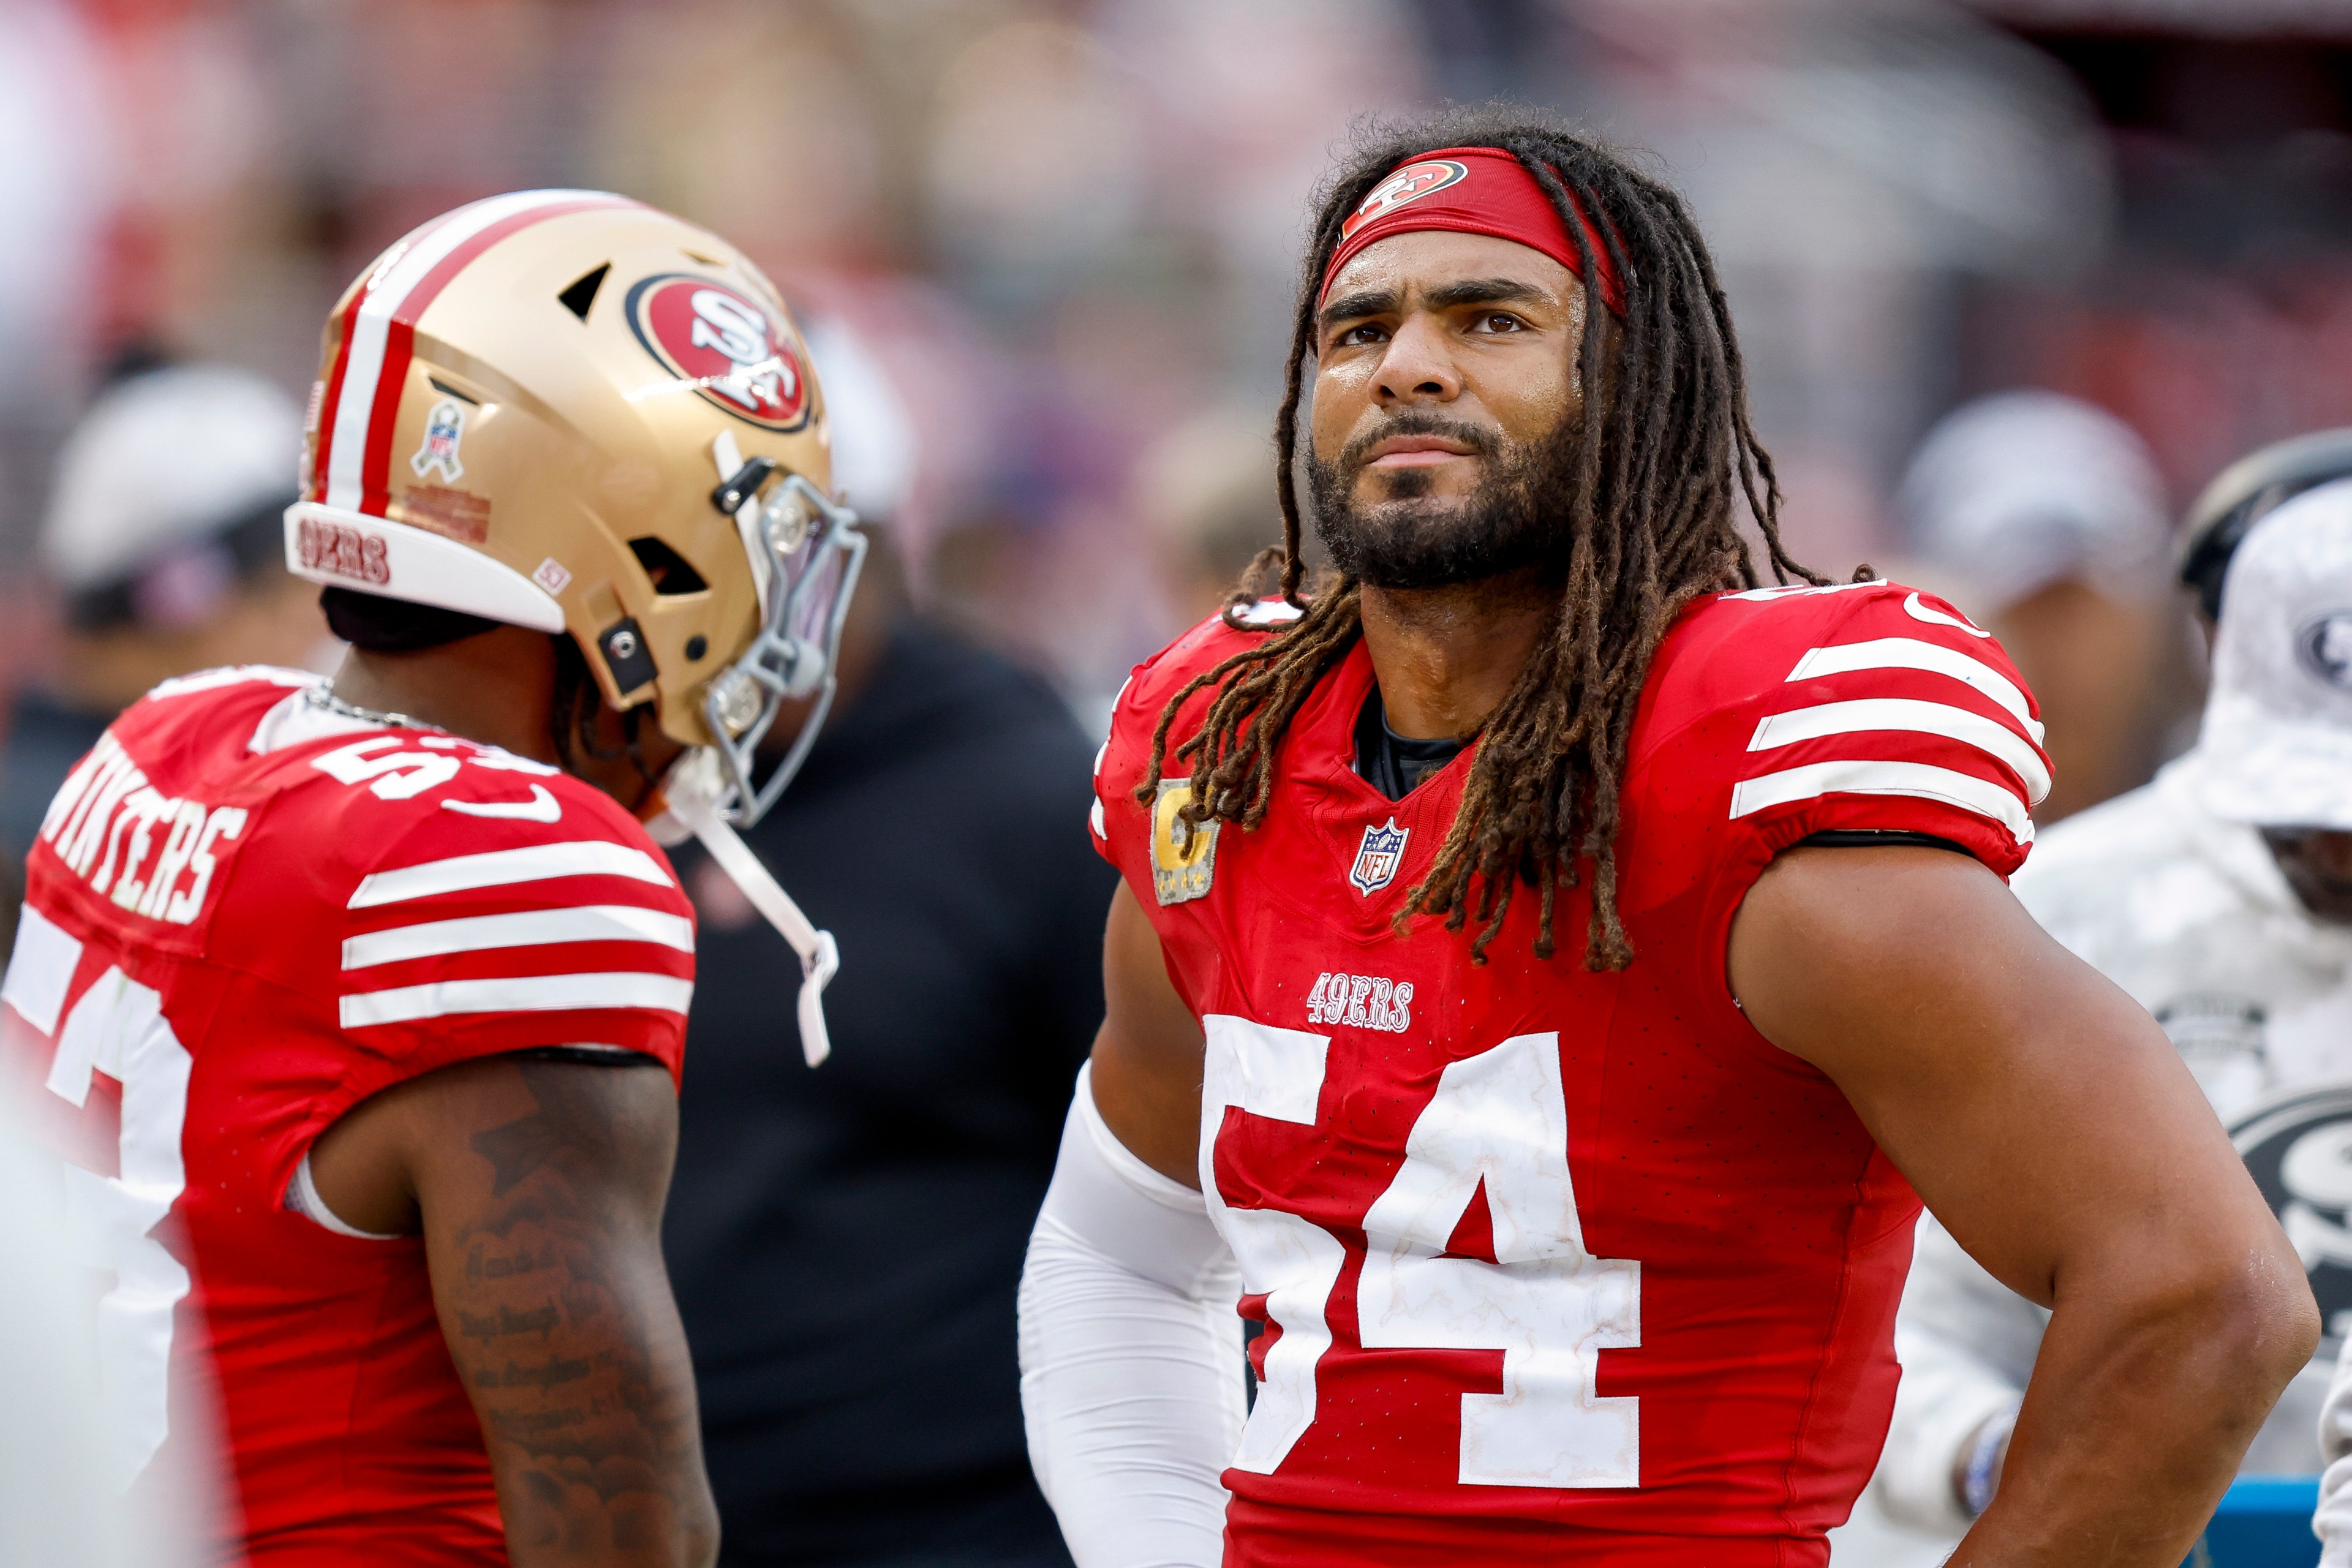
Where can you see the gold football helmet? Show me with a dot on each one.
(568, 411)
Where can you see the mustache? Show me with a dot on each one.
(1480, 438)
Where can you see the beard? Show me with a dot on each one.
(1514, 519)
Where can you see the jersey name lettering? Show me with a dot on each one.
(1361, 1002)
(154, 854)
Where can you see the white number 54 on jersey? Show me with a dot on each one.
(1499, 1117)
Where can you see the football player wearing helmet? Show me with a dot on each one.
(1549, 961)
(368, 995)
(2216, 895)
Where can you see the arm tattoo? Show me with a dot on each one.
(559, 1316)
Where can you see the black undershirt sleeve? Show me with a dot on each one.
(591, 1055)
(1875, 838)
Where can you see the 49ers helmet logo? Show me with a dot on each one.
(729, 346)
(1409, 184)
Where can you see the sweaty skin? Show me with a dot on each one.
(2041, 1116)
(538, 1186)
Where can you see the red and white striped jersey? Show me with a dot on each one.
(1557, 1265)
(244, 915)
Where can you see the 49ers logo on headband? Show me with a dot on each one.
(1409, 184)
(727, 345)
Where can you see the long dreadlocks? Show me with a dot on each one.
(1664, 452)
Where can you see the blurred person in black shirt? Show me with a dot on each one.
(166, 541)
(845, 1242)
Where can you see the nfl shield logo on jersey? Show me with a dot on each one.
(1377, 857)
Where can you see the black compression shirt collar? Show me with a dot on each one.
(1392, 764)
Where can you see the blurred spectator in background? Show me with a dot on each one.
(166, 541)
(1207, 492)
(2243, 494)
(846, 1243)
(2046, 520)
(2220, 895)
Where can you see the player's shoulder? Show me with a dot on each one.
(208, 708)
(406, 791)
(1162, 678)
(175, 757)
(1198, 650)
(1738, 649)
(1870, 707)
(365, 799)
(1125, 759)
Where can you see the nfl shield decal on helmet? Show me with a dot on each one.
(444, 429)
(1377, 857)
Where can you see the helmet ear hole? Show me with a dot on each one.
(672, 572)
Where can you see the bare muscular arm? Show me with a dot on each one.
(2050, 1124)
(539, 1187)
(1147, 1059)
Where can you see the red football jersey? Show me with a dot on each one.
(1557, 1265)
(244, 915)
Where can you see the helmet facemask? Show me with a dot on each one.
(806, 551)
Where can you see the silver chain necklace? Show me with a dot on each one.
(323, 696)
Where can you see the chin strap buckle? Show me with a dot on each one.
(690, 795)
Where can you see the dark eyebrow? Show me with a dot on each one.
(1483, 291)
(1363, 303)
(1445, 297)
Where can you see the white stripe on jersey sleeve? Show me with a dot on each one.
(528, 927)
(1913, 653)
(516, 993)
(1988, 735)
(1814, 780)
(503, 867)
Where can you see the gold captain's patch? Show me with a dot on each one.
(1181, 864)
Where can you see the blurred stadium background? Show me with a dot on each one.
(1051, 244)
(1064, 232)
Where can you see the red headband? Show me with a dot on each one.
(1472, 190)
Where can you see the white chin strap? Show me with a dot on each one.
(691, 791)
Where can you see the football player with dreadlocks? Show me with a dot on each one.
(1550, 959)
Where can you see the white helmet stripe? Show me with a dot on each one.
(355, 454)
